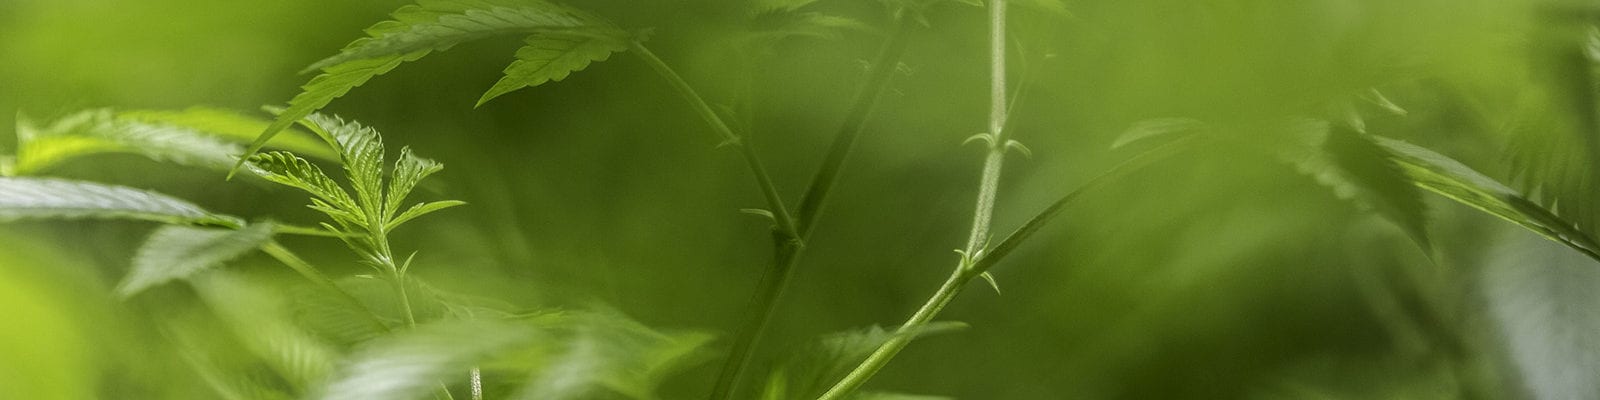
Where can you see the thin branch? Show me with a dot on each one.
(970, 268)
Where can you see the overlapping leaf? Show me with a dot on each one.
(417, 30)
(175, 252)
(43, 198)
(199, 137)
(409, 365)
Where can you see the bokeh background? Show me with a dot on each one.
(1216, 275)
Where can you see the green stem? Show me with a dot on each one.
(880, 357)
(983, 211)
(970, 268)
(883, 67)
(780, 213)
(769, 291)
(761, 308)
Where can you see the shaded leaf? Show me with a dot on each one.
(41, 198)
(1450, 178)
(415, 31)
(175, 252)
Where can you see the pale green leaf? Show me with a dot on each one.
(44, 198)
(548, 57)
(175, 252)
(100, 131)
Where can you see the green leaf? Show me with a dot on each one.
(548, 57)
(175, 252)
(361, 153)
(1353, 165)
(420, 210)
(410, 365)
(234, 127)
(408, 171)
(896, 396)
(41, 198)
(416, 31)
(810, 372)
(199, 137)
(100, 131)
(1452, 179)
(287, 169)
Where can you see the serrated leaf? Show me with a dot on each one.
(334, 82)
(1378, 182)
(291, 170)
(416, 31)
(45, 198)
(175, 252)
(549, 57)
(410, 365)
(361, 153)
(441, 24)
(408, 171)
(1452, 179)
(420, 210)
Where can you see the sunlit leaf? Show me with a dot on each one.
(42, 198)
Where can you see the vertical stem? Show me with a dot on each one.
(882, 69)
(983, 210)
(762, 306)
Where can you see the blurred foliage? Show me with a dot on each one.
(603, 224)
